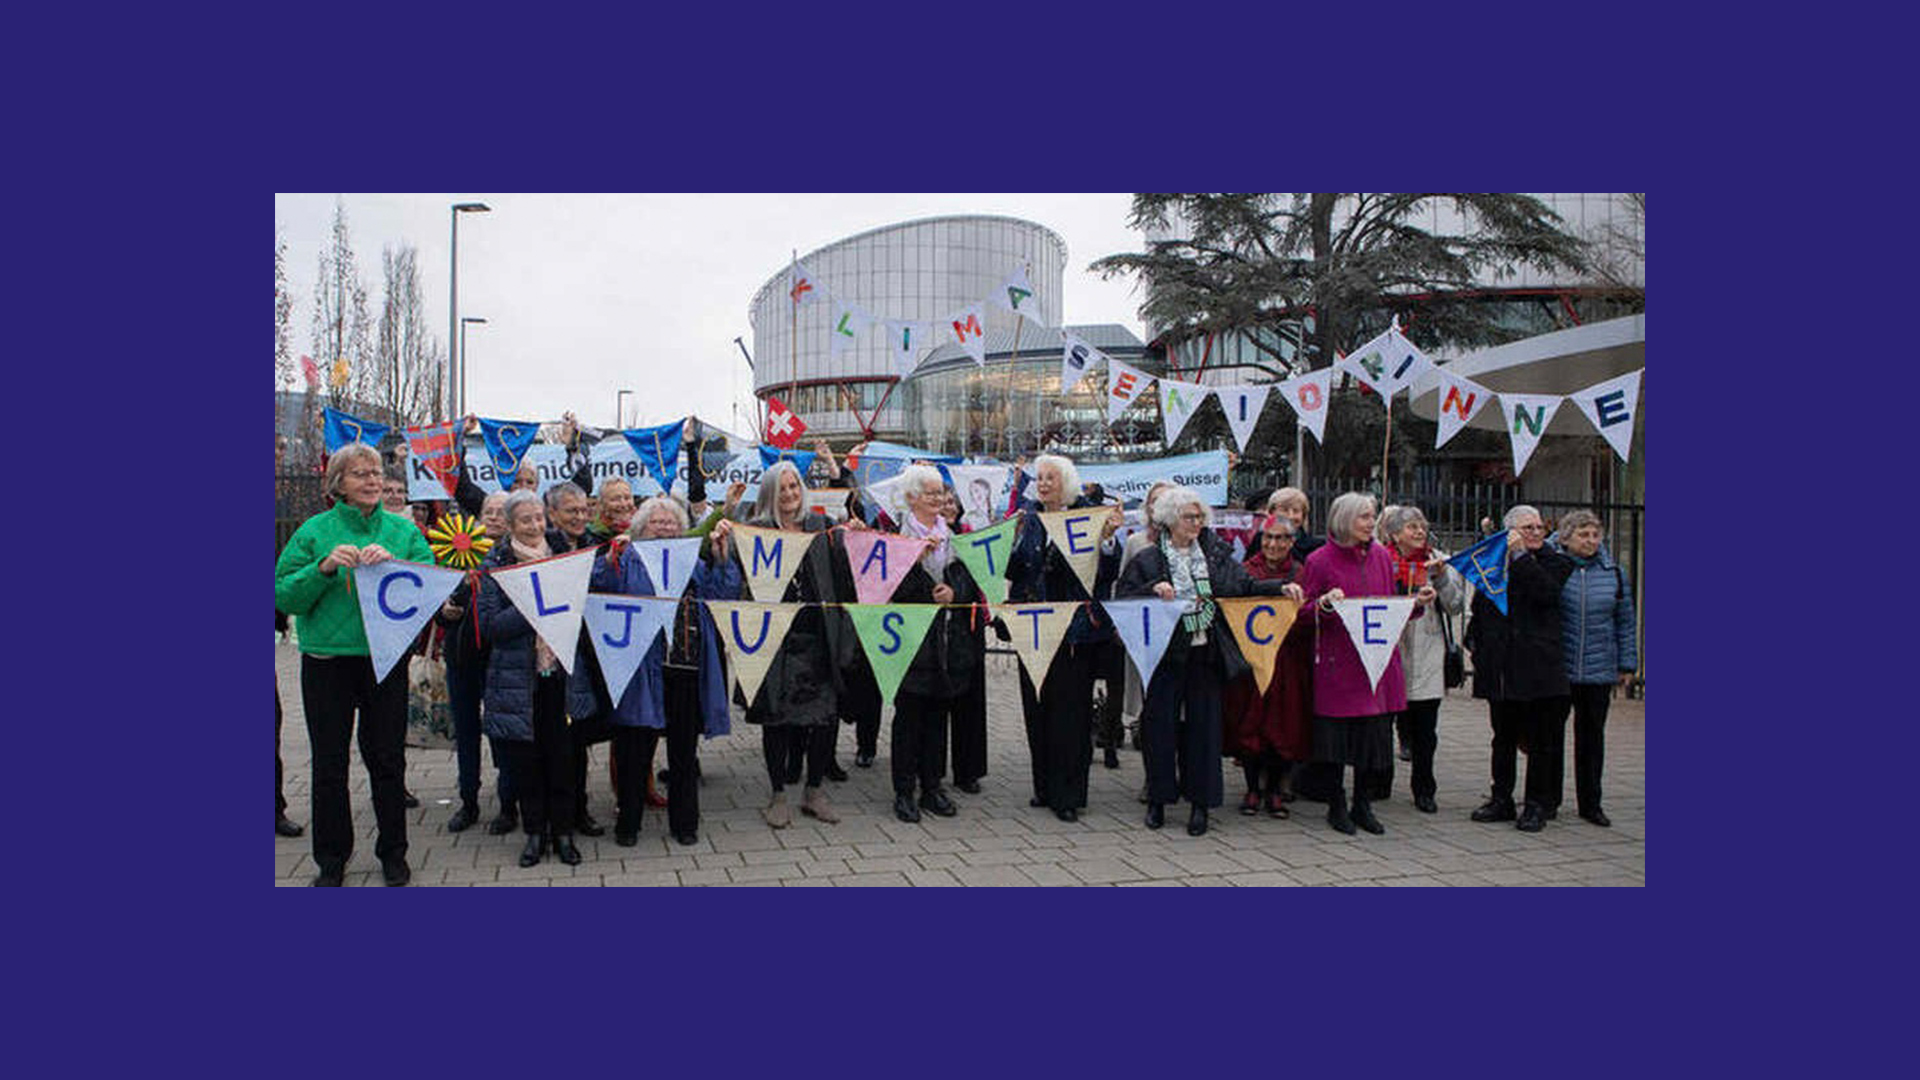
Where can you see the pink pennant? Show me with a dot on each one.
(879, 562)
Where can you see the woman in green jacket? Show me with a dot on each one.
(336, 671)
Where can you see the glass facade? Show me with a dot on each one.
(918, 270)
(1013, 406)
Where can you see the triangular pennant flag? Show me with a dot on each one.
(1076, 535)
(507, 442)
(1145, 625)
(1016, 295)
(802, 289)
(1242, 404)
(846, 326)
(887, 497)
(880, 561)
(1124, 384)
(906, 340)
(1308, 396)
(784, 427)
(552, 594)
(343, 428)
(396, 600)
(1076, 360)
(802, 459)
(623, 629)
(771, 557)
(1389, 363)
(752, 634)
(1527, 418)
(1460, 400)
(1484, 565)
(984, 552)
(1258, 625)
(969, 331)
(658, 449)
(1609, 407)
(1374, 624)
(1178, 402)
(891, 635)
(433, 447)
(1036, 631)
(669, 563)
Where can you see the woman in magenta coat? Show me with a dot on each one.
(1352, 719)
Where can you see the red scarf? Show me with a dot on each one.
(1409, 571)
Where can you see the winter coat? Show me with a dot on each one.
(1519, 656)
(1596, 621)
(691, 637)
(511, 656)
(325, 607)
(1280, 720)
(950, 654)
(463, 645)
(1340, 685)
(804, 683)
(1036, 571)
(1423, 645)
(1220, 655)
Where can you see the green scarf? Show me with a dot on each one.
(1190, 580)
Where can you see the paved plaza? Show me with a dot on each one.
(997, 839)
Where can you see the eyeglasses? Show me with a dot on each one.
(1193, 517)
(1530, 528)
(364, 474)
(1275, 538)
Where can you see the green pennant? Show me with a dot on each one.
(985, 554)
(891, 635)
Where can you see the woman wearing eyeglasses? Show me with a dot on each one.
(1269, 733)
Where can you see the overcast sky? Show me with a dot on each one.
(586, 295)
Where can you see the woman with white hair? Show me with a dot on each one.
(1059, 710)
(1191, 564)
(1352, 716)
(1519, 667)
(1421, 571)
(1597, 635)
(336, 666)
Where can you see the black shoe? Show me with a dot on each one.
(586, 826)
(1197, 822)
(626, 839)
(864, 760)
(284, 827)
(904, 809)
(503, 824)
(331, 879)
(563, 847)
(835, 773)
(1036, 802)
(1532, 819)
(1425, 804)
(1156, 815)
(396, 872)
(1597, 816)
(535, 850)
(687, 838)
(971, 787)
(1337, 814)
(1406, 752)
(937, 802)
(1495, 809)
(1069, 814)
(412, 800)
(1363, 816)
(463, 818)
(1112, 759)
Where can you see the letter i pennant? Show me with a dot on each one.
(891, 635)
(1145, 626)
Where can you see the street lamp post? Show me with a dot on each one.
(618, 400)
(464, 321)
(458, 389)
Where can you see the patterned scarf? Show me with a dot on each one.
(1192, 584)
(941, 553)
(543, 659)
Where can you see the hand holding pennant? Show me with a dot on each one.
(770, 557)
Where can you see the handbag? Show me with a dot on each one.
(1454, 668)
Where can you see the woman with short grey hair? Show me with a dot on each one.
(1421, 571)
(1597, 635)
(659, 504)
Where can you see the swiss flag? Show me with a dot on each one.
(783, 427)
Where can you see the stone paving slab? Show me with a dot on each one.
(997, 839)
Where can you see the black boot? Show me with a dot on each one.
(1497, 808)
(535, 850)
(1197, 822)
(464, 817)
(563, 847)
(1363, 816)
(1532, 819)
(1156, 815)
(1337, 812)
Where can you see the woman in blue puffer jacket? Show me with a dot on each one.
(1597, 627)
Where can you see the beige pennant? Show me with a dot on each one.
(1037, 630)
(752, 633)
(770, 558)
(1076, 535)
(1259, 624)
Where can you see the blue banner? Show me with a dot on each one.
(1485, 566)
(802, 459)
(507, 442)
(658, 449)
(343, 428)
(1128, 481)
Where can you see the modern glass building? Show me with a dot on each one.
(915, 270)
(1012, 405)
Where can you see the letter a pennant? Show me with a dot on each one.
(1374, 624)
(1178, 402)
(1016, 296)
(552, 594)
(623, 630)
(752, 633)
(879, 562)
(1259, 624)
(1145, 626)
(771, 557)
(396, 600)
(891, 635)
(1037, 630)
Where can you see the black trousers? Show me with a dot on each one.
(1543, 724)
(333, 690)
(1268, 764)
(1419, 725)
(968, 725)
(919, 746)
(279, 767)
(780, 743)
(633, 750)
(1590, 705)
(543, 770)
(1180, 727)
(1059, 721)
(1109, 730)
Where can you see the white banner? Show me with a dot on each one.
(1527, 418)
(1124, 384)
(1460, 400)
(1242, 404)
(1178, 402)
(396, 600)
(623, 629)
(1374, 624)
(1145, 625)
(552, 594)
(1609, 406)
(846, 326)
(1308, 395)
(1036, 631)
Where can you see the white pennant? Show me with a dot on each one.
(1527, 418)
(1076, 535)
(1076, 360)
(551, 594)
(1609, 406)
(846, 326)
(1242, 405)
(623, 630)
(1460, 399)
(771, 558)
(1017, 296)
(1389, 363)
(1124, 384)
(1373, 624)
(396, 600)
(969, 329)
(1036, 631)
(1308, 396)
(907, 339)
(752, 634)
(1178, 402)
(669, 563)
(1145, 626)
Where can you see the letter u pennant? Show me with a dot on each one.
(891, 635)
(752, 634)
(396, 600)
(1259, 624)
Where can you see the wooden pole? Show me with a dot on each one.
(1385, 446)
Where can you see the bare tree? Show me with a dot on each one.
(407, 359)
(283, 374)
(1620, 248)
(342, 328)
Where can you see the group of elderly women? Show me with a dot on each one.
(1320, 714)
